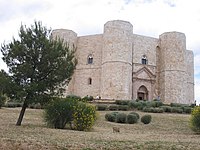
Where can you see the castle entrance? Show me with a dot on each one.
(142, 93)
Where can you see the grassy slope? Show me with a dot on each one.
(166, 131)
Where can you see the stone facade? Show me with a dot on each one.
(121, 65)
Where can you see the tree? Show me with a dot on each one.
(4, 80)
(38, 65)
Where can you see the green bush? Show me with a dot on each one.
(195, 120)
(142, 104)
(158, 103)
(84, 116)
(13, 104)
(179, 105)
(148, 109)
(113, 107)
(122, 102)
(111, 116)
(123, 107)
(177, 110)
(138, 104)
(159, 110)
(153, 110)
(101, 107)
(132, 104)
(187, 110)
(134, 113)
(131, 118)
(73, 97)
(59, 112)
(121, 118)
(167, 108)
(2, 100)
(146, 119)
(88, 98)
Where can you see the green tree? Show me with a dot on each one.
(4, 80)
(38, 65)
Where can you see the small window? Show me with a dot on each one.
(90, 59)
(90, 81)
(144, 59)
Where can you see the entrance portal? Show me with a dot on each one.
(142, 93)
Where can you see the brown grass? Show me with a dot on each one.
(165, 132)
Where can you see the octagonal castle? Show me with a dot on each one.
(121, 65)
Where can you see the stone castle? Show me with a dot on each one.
(121, 65)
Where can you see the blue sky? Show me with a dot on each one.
(149, 17)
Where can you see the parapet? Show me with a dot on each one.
(119, 24)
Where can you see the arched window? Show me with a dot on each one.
(90, 59)
(90, 81)
(144, 60)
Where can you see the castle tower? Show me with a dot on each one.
(70, 38)
(116, 75)
(190, 76)
(173, 81)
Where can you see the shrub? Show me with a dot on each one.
(158, 103)
(148, 109)
(178, 105)
(146, 119)
(159, 110)
(195, 120)
(113, 107)
(132, 104)
(134, 113)
(153, 110)
(177, 110)
(121, 118)
(166, 108)
(111, 116)
(84, 116)
(141, 104)
(2, 100)
(87, 98)
(122, 102)
(13, 104)
(73, 97)
(59, 112)
(101, 107)
(187, 110)
(131, 118)
(123, 107)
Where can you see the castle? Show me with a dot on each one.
(121, 65)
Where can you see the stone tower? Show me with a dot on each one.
(116, 73)
(172, 70)
(69, 37)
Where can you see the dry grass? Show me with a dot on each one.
(166, 131)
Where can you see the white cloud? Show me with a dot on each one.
(149, 17)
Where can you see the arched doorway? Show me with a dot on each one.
(142, 93)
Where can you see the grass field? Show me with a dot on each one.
(165, 132)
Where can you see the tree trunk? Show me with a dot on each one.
(21, 115)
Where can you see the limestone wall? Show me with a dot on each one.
(143, 45)
(68, 36)
(88, 45)
(172, 67)
(116, 74)
(190, 76)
